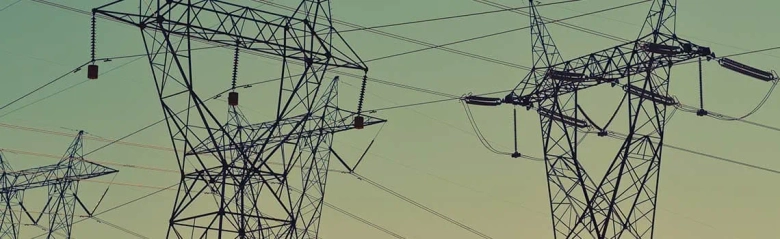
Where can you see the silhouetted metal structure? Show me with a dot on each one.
(61, 180)
(247, 168)
(622, 203)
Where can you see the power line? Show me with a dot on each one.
(63, 90)
(128, 231)
(737, 54)
(119, 206)
(752, 52)
(74, 70)
(44, 85)
(564, 24)
(453, 17)
(406, 39)
(353, 216)
(501, 33)
(412, 105)
(622, 136)
(9, 5)
(418, 205)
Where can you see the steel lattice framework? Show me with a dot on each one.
(62, 181)
(622, 203)
(244, 167)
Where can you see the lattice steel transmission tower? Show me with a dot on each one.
(247, 168)
(62, 181)
(622, 202)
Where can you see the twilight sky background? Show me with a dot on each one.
(428, 153)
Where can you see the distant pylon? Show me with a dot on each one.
(63, 195)
(61, 179)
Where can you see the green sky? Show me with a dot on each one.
(427, 153)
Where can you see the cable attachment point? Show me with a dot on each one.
(359, 120)
(92, 69)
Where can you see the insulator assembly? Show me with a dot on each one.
(233, 95)
(746, 70)
(92, 69)
(565, 76)
(661, 49)
(483, 101)
(651, 96)
(568, 120)
(359, 120)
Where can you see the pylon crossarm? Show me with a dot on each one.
(292, 37)
(608, 66)
(52, 175)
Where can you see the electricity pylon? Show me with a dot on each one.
(247, 168)
(622, 202)
(62, 181)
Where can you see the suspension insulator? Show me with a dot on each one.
(746, 70)
(565, 76)
(661, 49)
(483, 101)
(567, 120)
(92, 72)
(651, 96)
(233, 98)
(359, 122)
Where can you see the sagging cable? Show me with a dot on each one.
(478, 132)
(601, 132)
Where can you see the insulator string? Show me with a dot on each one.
(92, 36)
(235, 67)
(701, 87)
(362, 93)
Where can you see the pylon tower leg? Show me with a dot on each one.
(10, 220)
(630, 185)
(62, 207)
(569, 186)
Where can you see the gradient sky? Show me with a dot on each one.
(427, 153)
